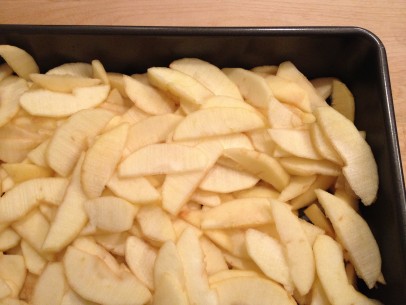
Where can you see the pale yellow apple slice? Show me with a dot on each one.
(209, 199)
(238, 213)
(311, 231)
(38, 154)
(5, 71)
(213, 257)
(169, 291)
(34, 262)
(48, 211)
(107, 287)
(217, 121)
(21, 172)
(47, 103)
(251, 290)
(191, 256)
(110, 214)
(238, 263)
(260, 165)
(148, 98)
(101, 160)
(155, 224)
(288, 71)
(73, 69)
(8, 239)
(230, 273)
(140, 258)
(331, 273)
(360, 168)
(19, 60)
(5, 289)
(265, 70)
(226, 101)
(113, 242)
(21, 199)
(182, 86)
(62, 83)
(69, 140)
(71, 216)
(178, 188)
(10, 94)
(223, 179)
(268, 254)
(151, 130)
(342, 100)
(295, 142)
(262, 141)
(253, 87)
(299, 254)
(297, 186)
(323, 146)
(14, 150)
(258, 191)
(116, 81)
(355, 236)
(305, 167)
(318, 295)
(208, 75)
(163, 158)
(72, 298)
(323, 86)
(317, 217)
(13, 272)
(53, 276)
(99, 72)
(289, 92)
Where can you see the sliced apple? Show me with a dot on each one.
(73, 69)
(47, 103)
(317, 217)
(281, 116)
(213, 257)
(360, 168)
(99, 72)
(227, 102)
(94, 281)
(238, 213)
(71, 216)
(311, 231)
(148, 98)
(5, 289)
(10, 94)
(251, 290)
(19, 60)
(306, 167)
(164, 158)
(323, 86)
(140, 258)
(258, 191)
(21, 172)
(229, 274)
(355, 236)
(262, 141)
(13, 272)
(53, 276)
(69, 140)
(21, 199)
(342, 100)
(151, 130)
(113, 242)
(111, 214)
(62, 83)
(297, 186)
(38, 154)
(299, 252)
(197, 284)
(8, 239)
(14, 150)
(209, 199)
(72, 298)
(323, 146)
(253, 87)
(5, 71)
(34, 262)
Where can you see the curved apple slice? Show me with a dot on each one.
(163, 158)
(297, 186)
(80, 69)
(62, 83)
(360, 168)
(47, 103)
(323, 146)
(99, 72)
(5, 71)
(70, 139)
(169, 291)
(217, 121)
(10, 94)
(13, 271)
(305, 167)
(21, 199)
(355, 235)
(19, 60)
(342, 100)
(53, 276)
(251, 290)
(253, 87)
(101, 160)
(281, 116)
(226, 101)
(323, 86)
(90, 277)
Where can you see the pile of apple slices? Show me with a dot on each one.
(184, 185)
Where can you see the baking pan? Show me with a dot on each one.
(352, 54)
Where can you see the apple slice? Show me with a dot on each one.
(253, 87)
(140, 258)
(5, 71)
(151, 130)
(99, 72)
(251, 290)
(69, 140)
(47, 103)
(14, 150)
(223, 179)
(110, 214)
(261, 165)
(209, 199)
(297, 186)
(101, 160)
(208, 75)
(21, 172)
(13, 272)
(268, 254)
(34, 262)
(73, 69)
(238, 213)
(5, 289)
(305, 167)
(213, 257)
(10, 93)
(281, 116)
(72, 298)
(299, 252)
(317, 217)
(229, 274)
(262, 141)
(38, 154)
(113, 242)
(62, 83)
(258, 191)
(148, 98)
(355, 236)
(163, 158)
(53, 276)
(169, 291)
(91, 278)
(8, 239)
(21, 199)
(323, 146)
(342, 100)
(185, 88)
(360, 168)
(71, 216)
(227, 102)
(197, 284)
(19, 60)
(323, 86)
(217, 121)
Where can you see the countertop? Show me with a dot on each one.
(387, 19)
